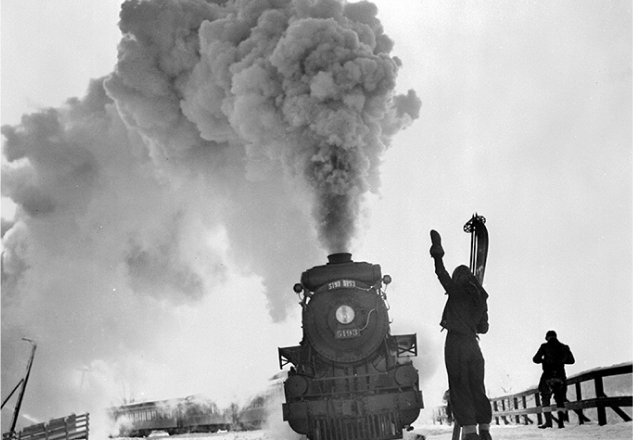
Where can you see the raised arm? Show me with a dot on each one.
(437, 252)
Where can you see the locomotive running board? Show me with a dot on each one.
(405, 344)
(289, 355)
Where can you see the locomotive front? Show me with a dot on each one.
(350, 378)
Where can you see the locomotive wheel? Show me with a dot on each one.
(346, 325)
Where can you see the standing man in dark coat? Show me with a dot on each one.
(465, 315)
(553, 355)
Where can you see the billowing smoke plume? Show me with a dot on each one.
(301, 88)
(231, 138)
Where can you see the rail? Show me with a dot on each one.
(520, 407)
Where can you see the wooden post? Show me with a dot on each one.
(517, 418)
(602, 414)
(526, 419)
(581, 416)
(16, 412)
(503, 408)
(11, 393)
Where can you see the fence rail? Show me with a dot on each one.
(72, 427)
(518, 408)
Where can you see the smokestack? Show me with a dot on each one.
(341, 257)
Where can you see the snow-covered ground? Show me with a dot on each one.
(618, 431)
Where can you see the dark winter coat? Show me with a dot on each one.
(554, 355)
(466, 310)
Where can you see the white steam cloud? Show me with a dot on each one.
(232, 137)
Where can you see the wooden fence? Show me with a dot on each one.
(72, 427)
(521, 407)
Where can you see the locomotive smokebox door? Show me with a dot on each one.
(346, 323)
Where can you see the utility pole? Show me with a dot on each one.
(24, 381)
(11, 393)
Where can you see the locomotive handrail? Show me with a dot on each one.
(367, 320)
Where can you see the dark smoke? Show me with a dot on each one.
(304, 89)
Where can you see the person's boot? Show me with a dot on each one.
(548, 421)
(485, 435)
(561, 419)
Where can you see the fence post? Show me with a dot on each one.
(503, 408)
(602, 414)
(517, 418)
(537, 400)
(526, 418)
(581, 415)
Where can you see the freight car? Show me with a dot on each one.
(176, 416)
(350, 378)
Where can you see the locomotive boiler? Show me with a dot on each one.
(350, 378)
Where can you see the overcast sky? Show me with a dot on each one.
(525, 119)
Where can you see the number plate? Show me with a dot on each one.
(347, 333)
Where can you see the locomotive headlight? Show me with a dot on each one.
(344, 314)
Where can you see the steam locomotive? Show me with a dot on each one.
(350, 378)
